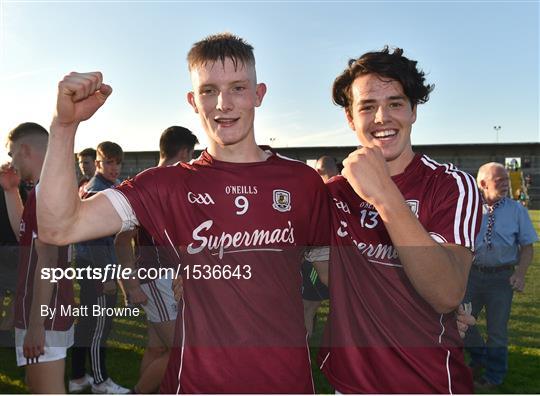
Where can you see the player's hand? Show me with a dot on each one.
(178, 288)
(136, 295)
(109, 287)
(80, 95)
(34, 341)
(464, 319)
(366, 171)
(9, 179)
(517, 281)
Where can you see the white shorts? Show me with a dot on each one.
(56, 346)
(161, 305)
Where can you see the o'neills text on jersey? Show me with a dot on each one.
(245, 190)
(240, 239)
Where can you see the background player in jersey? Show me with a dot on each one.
(92, 332)
(9, 252)
(41, 340)
(240, 216)
(402, 242)
(176, 144)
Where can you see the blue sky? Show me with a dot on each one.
(482, 56)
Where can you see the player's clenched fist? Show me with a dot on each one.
(366, 171)
(79, 97)
(9, 179)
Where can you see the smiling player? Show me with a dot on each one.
(238, 220)
(391, 325)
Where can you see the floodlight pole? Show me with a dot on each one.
(497, 129)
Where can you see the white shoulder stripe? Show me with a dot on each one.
(468, 214)
(290, 159)
(464, 226)
(469, 226)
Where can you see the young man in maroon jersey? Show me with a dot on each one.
(41, 338)
(391, 325)
(237, 219)
(176, 144)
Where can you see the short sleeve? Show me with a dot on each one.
(456, 210)
(527, 233)
(142, 195)
(123, 208)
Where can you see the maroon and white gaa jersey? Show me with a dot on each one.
(383, 337)
(149, 255)
(62, 297)
(239, 231)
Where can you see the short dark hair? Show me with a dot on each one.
(328, 165)
(219, 47)
(386, 64)
(87, 152)
(175, 138)
(27, 129)
(110, 150)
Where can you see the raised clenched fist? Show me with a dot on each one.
(367, 172)
(9, 179)
(80, 95)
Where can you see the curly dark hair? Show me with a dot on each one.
(391, 65)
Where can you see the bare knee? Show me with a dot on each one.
(46, 377)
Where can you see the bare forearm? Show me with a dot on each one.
(43, 289)
(525, 258)
(57, 200)
(123, 246)
(437, 272)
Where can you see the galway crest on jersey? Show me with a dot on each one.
(282, 201)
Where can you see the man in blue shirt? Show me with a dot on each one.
(92, 332)
(504, 250)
